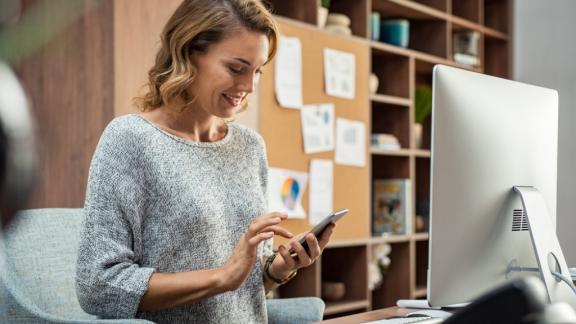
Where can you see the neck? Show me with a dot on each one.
(191, 124)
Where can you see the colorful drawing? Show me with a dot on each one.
(290, 192)
(285, 191)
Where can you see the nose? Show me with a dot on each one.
(248, 82)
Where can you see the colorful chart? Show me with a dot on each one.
(289, 193)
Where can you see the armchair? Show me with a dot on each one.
(37, 277)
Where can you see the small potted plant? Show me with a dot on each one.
(323, 13)
(422, 109)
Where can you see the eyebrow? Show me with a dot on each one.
(243, 61)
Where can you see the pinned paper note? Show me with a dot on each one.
(321, 189)
(350, 142)
(339, 73)
(288, 72)
(318, 128)
(285, 191)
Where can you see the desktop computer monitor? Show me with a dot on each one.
(488, 135)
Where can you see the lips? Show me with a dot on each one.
(233, 100)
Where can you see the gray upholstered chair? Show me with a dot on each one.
(37, 269)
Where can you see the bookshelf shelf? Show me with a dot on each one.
(346, 243)
(461, 23)
(407, 9)
(390, 239)
(393, 100)
(493, 33)
(420, 236)
(400, 152)
(440, 5)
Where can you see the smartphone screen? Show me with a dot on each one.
(320, 227)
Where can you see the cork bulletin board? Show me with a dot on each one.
(281, 127)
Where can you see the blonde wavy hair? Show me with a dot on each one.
(194, 26)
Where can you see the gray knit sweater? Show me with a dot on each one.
(158, 203)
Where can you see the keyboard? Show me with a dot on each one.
(408, 319)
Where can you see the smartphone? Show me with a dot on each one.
(320, 227)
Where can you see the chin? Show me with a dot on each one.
(228, 113)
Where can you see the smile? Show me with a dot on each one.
(233, 100)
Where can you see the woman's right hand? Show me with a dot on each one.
(243, 258)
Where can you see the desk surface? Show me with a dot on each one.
(370, 316)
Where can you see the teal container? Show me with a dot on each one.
(395, 32)
(375, 26)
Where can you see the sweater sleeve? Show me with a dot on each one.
(109, 281)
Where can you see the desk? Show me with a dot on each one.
(370, 316)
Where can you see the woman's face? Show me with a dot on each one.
(227, 72)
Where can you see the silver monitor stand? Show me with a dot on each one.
(546, 246)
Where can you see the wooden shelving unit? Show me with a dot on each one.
(389, 110)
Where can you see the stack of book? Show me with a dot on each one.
(384, 142)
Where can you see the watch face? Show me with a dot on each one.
(18, 161)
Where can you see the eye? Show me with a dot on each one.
(235, 70)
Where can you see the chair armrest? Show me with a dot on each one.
(294, 310)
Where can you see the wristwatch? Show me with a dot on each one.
(271, 277)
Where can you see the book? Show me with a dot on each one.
(466, 59)
(391, 214)
(384, 142)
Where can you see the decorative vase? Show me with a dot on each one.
(322, 16)
(417, 135)
(333, 290)
(373, 83)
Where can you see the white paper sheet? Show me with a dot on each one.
(339, 73)
(285, 191)
(321, 189)
(318, 127)
(350, 142)
(288, 72)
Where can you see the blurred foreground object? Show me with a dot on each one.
(18, 159)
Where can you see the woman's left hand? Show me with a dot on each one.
(282, 267)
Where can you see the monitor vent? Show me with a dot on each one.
(519, 221)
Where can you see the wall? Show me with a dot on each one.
(80, 80)
(544, 54)
(70, 85)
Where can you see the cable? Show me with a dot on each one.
(567, 281)
(557, 275)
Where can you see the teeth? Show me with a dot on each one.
(232, 97)
(235, 100)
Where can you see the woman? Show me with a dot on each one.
(176, 226)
